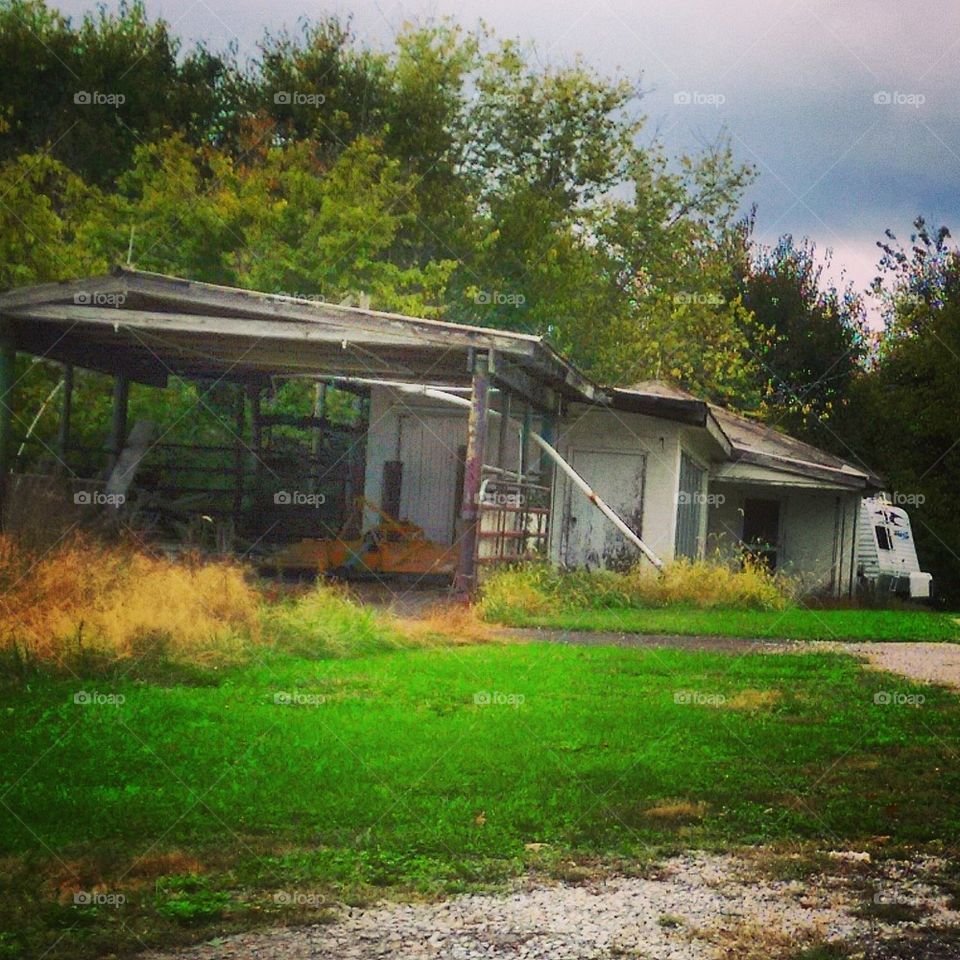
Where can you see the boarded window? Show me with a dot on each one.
(690, 503)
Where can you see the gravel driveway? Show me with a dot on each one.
(700, 907)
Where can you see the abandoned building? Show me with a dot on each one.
(468, 446)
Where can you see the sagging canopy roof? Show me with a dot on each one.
(148, 326)
(744, 441)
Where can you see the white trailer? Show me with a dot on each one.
(886, 551)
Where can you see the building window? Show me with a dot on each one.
(761, 529)
(883, 538)
(690, 503)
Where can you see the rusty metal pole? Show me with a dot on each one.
(465, 581)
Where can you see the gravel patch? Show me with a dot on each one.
(696, 907)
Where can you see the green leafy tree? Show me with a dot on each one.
(904, 410)
(90, 94)
(810, 339)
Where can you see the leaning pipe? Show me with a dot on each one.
(549, 450)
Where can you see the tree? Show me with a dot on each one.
(810, 339)
(904, 411)
(89, 95)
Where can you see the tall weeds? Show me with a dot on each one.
(538, 589)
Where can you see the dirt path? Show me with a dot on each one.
(927, 662)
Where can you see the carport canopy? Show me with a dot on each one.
(147, 327)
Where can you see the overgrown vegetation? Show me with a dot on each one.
(702, 598)
(86, 604)
(540, 588)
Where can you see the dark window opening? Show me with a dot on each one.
(883, 538)
(761, 529)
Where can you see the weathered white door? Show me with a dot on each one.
(590, 539)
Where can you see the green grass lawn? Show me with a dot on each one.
(794, 623)
(430, 771)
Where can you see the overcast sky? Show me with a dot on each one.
(849, 108)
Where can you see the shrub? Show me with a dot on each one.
(326, 622)
(537, 589)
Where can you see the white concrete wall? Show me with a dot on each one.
(817, 538)
(817, 532)
(591, 429)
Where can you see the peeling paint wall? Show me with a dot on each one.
(632, 460)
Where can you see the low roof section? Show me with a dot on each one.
(746, 443)
(149, 326)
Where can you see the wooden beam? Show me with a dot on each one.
(256, 444)
(465, 582)
(66, 410)
(240, 427)
(316, 329)
(510, 377)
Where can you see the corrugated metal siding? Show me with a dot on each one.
(690, 505)
(429, 449)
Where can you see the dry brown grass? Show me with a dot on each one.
(752, 940)
(457, 624)
(753, 700)
(120, 601)
(678, 811)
